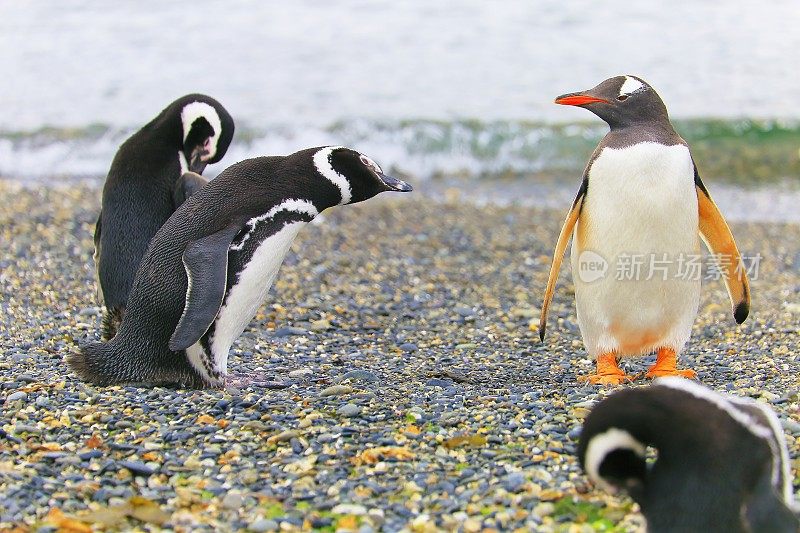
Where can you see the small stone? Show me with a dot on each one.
(42, 401)
(349, 508)
(233, 500)
(350, 409)
(300, 373)
(14, 396)
(408, 347)
(262, 525)
(790, 425)
(321, 325)
(360, 375)
(514, 482)
(137, 468)
(543, 509)
(287, 331)
(336, 390)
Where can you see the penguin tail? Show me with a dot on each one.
(98, 363)
(112, 319)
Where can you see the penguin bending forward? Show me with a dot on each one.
(153, 172)
(634, 227)
(722, 462)
(208, 269)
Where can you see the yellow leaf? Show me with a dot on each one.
(66, 524)
(148, 511)
(205, 419)
(347, 522)
(465, 440)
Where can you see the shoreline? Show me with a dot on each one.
(419, 396)
(771, 203)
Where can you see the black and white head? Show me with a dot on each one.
(204, 127)
(721, 461)
(357, 176)
(621, 101)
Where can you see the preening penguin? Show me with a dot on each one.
(722, 462)
(153, 172)
(208, 269)
(641, 199)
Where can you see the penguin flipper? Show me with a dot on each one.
(558, 254)
(97, 232)
(188, 184)
(719, 239)
(206, 264)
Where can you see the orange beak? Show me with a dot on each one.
(578, 99)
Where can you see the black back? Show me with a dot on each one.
(140, 350)
(138, 196)
(709, 466)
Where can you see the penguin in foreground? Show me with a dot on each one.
(634, 227)
(722, 461)
(208, 269)
(153, 172)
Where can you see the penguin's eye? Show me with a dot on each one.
(622, 97)
(370, 164)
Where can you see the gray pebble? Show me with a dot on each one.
(263, 525)
(360, 375)
(350, 409)
(14, 396)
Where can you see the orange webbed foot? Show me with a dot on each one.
(666, 365)
(608, 372)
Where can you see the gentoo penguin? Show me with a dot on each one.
(722, 462)
(634, 226)
(208, 269)
(154, 171)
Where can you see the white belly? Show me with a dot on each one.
(640, 209)
(244, 298)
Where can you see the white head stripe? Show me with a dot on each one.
(322, 161)
(778, 441)
(182, 162)
(604, 443)
(726, 403)
(631, 85)
(298, 206)
(195, 110)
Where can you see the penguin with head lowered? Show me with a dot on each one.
(153, 172)
(208, 269)
(639, 211)
(722, 462)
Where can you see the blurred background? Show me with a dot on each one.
(454, 90)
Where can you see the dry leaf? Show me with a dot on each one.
(347, 522)
(94, 442)
(205, 419)
(66, 524)
(370, 456)
(148, 511)
(465, 440)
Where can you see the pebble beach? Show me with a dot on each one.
(412, 392)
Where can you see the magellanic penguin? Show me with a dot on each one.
(722, 462)
(634, 227)
(208, 269)
(154, 171)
